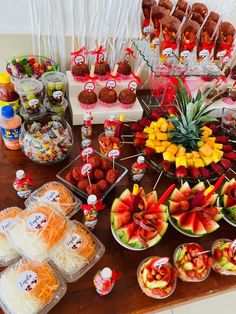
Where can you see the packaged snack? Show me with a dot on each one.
(77, 253)
(30, 288)
(7, 219)
(56, 193)
(38, 230)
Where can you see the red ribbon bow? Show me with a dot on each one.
(115, 275)
(25, 180)
(130, 52)
(220, 79)
(188, 46)
(99, 206)
(78, 52)
(97, 52)
(206, 46)
(116, 77)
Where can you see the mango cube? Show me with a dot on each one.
(168, 156)
(218, 146)
(172, 149)
(161, 136)
(181, 152)
(198, 162)
(217, 155)
(165, 143)
(164, 127)
(151, 136)
(200, 143)
(160, 122)
(206, 150)
(195, 154)
(160, 149)
(181, 161)
(207, 160)
(189, 162)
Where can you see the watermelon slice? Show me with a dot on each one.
(151, 199)
(135, 240)
(226, 187)
(156, 215)
(179, 217)
(209, 224)
(185, 188)
(228, 201)
(174, 207)
(161, 227)
(126, 232)
(126, 197)
(154, 240)
(177, 196)
(119, 206)
(188, 223)
(198, 227)
(199, 187)
(120, 219)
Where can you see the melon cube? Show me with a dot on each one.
(211, 141)
(160, 149)
(195, 154)
(181, 152)
(206, 150)
(189, 162)
(168, 156)
(165, 144)
(217, 155)
(198, 162)
(181, 161)
(160, 122)
(206, 160)
(156, 143)
(154, 125)
(150, 143)
(172, 149)
(189, 155)
(161, 136)
(218, 146)
(164, 127)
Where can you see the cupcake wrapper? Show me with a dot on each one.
(103, 77)
(126, 77)
(107, 105)
(87, 106)
(80, 78)
(126, 106)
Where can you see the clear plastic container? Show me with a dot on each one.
(66, 175)
(109, 143)
(204, 271)
(56, 193)
(31, 94)
(29, 288)
(55, 86)
(46, 140)
(8, 254)
(224, 265)
(164, 289)
(77, 253)
(38, 115)
(59, 109)
(38, 230)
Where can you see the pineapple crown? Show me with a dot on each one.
(194, 113)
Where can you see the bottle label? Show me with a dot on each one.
(51, 196)
(57, 94)
(137, 177)
(33, 103)
(86, 168)
(6, 225)
(86, 132)
(85, 143)
(27, 281)
(24, 194)
(36, 221)
(11, 134)
(73, 241)
(167, 52)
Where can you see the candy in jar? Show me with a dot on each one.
(138, 169)
(86, 129)
(110, 125)
(22, 184)
(104, 280)
(10, 126)
(91, 210)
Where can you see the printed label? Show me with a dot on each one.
(161, 261)
(36, 221)
(111, 84)
(90, 224)
(127, 57)
(204, 53)
(137, 177)
(185, 54)
(86, 169)
(6, 225)
(27, 281)
(101, 58)
(147, 29)
(133, 85)
(114, 153)
(11, 134)
(85, 143)
(33, 102)
(226, 60)
(24, 194)
(73, 241)
(89, 86)
(221, 54)
(51, 196)
(79, 59)
(57, 94)
(156, 42)
(87, 151)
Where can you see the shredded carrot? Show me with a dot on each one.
(87, 251)
(10, 212)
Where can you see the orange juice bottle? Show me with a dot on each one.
(10, 127)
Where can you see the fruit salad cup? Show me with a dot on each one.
(229, 123)
(192, 263)
(156, 280)
(110, 143)
(224, 256)
(55, 86)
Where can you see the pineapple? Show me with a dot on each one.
(172, 149)
(189, 124)
(206, 150)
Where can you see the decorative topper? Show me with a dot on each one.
(128, 53)
(86, 168)
(111, 84)
(133, 85)
(87, 152)
(90, 86)
(161, 262)
(77, 57)
(99, 54)
(79, 60)
(113, 154)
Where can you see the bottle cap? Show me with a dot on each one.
(112, 117)
(5, 78)
(20, 174)
(92, 199)
(140, 159)
(87, 116)
(7, 112)
(106, 273)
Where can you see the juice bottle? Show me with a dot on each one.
(8, 96)
(138, 169)
(10, 126)
(103, 281)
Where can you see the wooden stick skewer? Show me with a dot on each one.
(129, 157)
(158, 179)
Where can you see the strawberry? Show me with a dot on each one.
(136, 127)
(213, 127)
(138, 142)
(155, 114)
(204, 172)
(211, 211)
(216, 168)
(225, 163)
(172, 110)
(194, 172)
(231, 155)
(210, 261)
(218, 254)
(141, 135)
(181, 172)
(222, 139)
(149, 151)
(164, 165)
(184, 205)
(227, 148)
(145, 122)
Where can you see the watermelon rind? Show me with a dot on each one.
(120, 219)
(151, 199)
(199, 187)
(185, 188)
(126, 197)
(126, 232)
(209, 224)
(177, 196)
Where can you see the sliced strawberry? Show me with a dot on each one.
(216, 168)
(141, 135)
(145, 122)
(218, 254)
(181, 172)
(205, 173)
(139, 142)
(222, 139)
(149, 151)
(194, 172)
(136, 127)
(213, 127)
(165, 165)
(227, 148)
(231, 155)
(225, 163)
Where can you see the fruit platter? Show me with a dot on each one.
(224, 255)
(194, 211)
(228, 201)
(137, 220)
(156, 277)
(192, 262)
(185, 144)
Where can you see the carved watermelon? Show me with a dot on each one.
(228, 200)
(194, 214)
(143, 227)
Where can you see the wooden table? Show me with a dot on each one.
(126, 296)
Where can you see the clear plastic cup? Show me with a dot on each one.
(59, 109)
(110, 143)
(55, 86)
(38, 115)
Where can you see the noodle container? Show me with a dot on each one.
(51, 193)
(79, 251)
(28, 288)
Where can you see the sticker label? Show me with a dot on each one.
(85, 143)
(167, 52)
(111, 84)
(221, 54)
(24, 194)
(87, 151)
(204, 53)
(86, 169)
(79, 59)
(156, 42)
(185, 54)
(127, 57)
(57, 94)
(101, 58)
(33, 102)
(73, 241)
(27, 281)
(147, 29)
(133, 85)
(161, 261)
(138, 177)
(11, 134)
(89, 86)
(51, 196)
(114, 153)
(6, 225)
(36, 221)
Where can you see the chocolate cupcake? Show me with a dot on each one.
(227, 29)
(197, 17)
(87, 99)
(209, 27)
(213, 16)
(171, 23)
(200, 8)
(107, 97)
(190, 27)
(79, 71)
(146, 6)
(124, 68)
(102, 68)
(167, 4)
(127, 98)
(179, 14)
(182, 5)
(158, 12)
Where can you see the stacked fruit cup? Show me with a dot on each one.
(224, 256)
(109, 144)
(55, 87)
(229, 123)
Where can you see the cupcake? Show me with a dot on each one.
(124, 68)
(213, 16)
(167, 4)
(200, 8)
(102, 68)
(127, 98)
(179, 14)
(79, 71)
(146, 6)
(107, 97)
(87, 99)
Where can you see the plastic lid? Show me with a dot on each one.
(28, 86)
(140, 159)
(112, 117)
(20, 174)
(106, 273)
(87, 116)
(92, 199)
(7, 112)
(54, 77)
(5, 78)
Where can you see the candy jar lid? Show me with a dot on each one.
(141, 159)
(92, 199)
(106, 273)
(20, 174)
(28, 85)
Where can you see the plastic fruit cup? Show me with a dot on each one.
(181, 272)
(147, 291)
(39, 114)
(104, 149)
(55, 86)
(59, 109)
(217, 267)
(31, 94)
